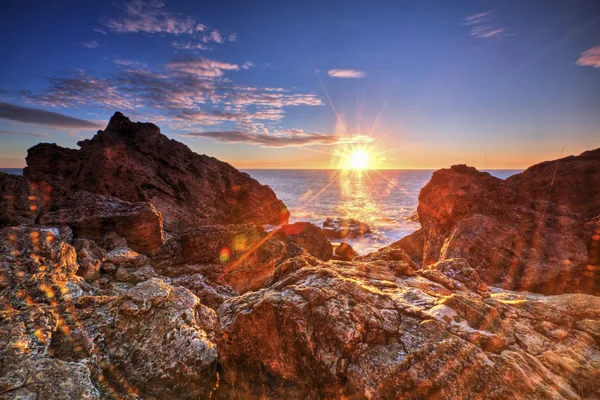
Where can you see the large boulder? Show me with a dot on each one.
(360, 330)
(512, 240)
(136, 163)
(310, 237)
(93, 216)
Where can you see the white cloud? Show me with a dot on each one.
(289, 138)
(483, 26)
(91, 44)
(346, 73)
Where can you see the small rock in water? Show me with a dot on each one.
(340, 228)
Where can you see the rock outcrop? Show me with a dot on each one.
(345, 252)
(18, 204)
(93, 216)
(310, 237)
(342, 228)
(512, 240)
(136, 163)
(361, 330)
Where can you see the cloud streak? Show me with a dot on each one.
(346, 73)
(42, 117)
(482, 26)
(590, 58)
(17, 133)
(280, 139)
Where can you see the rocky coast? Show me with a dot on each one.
(133, 268)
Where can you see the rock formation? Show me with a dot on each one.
(341, 228)
(522, 233)
(136, 163)
(96, 302)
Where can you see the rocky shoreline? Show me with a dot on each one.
(133, 268)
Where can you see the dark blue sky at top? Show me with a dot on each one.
(506, 84)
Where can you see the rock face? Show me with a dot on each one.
(94, 216)
(18, 205)
(135, 162)
(514, 241)
(361, 330)
(340, 228)
(345, 252)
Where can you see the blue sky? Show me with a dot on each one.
(421, 84)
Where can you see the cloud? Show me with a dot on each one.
(590, 58)
(42, 117)
(190, 46)
(216, 36)
(346, 73)
(292, 138)
(91, 45)
(202, 67)
(129, 63)
(17, 133)
(100, 31)
(483, 27)
(247, 65)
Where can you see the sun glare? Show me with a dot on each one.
(359, 159)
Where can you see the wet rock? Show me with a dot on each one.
(340, 228)
(94, 216)
(310, 237)
(345, 252)
(134, 162)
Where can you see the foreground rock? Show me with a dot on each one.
(512, 241)
(136, 163)
(340, 228)
(365, 330)
(58, 340)
(94, 216)
(310, 237)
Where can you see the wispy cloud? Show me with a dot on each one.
(346, 73)
(130, 63)
(42, 117)
(18, 133)
(292, 138)
(590, 58)
(202, 67)
(91, 45)
(482, 25)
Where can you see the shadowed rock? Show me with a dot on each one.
(135, 162)
(310, 237)
(18, 204)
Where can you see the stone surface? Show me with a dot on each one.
(511, 240)
(135, 162)
(310, 237)
(340, 228)
(93, 216)
(359, 330)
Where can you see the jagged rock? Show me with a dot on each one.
(310, 237)
(18, 204)
(390, 253)
(210, 294)
(412, 245)
(345, 252)
(93, 216)
(90, 257)
(135, 275)
(241, 256)
(340, 228)
(512, 241)
(357, 330)
(135, 162)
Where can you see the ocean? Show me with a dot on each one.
(384, 199)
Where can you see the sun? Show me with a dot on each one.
(359, 159)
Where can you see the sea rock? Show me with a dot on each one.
(358, 330)
(310, 237)
(136, 163)
(93, 216)
(412, 245)
(512, 241)
(18, 204)
(241, 256)
(340, 228)
(345, 252)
